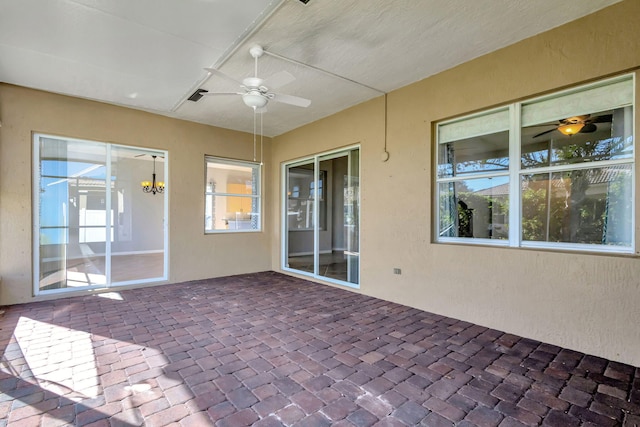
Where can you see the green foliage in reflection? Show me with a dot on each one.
(590, 206)
(470, 214)
(534, 213)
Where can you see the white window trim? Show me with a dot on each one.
(244, 163)
(516, 171)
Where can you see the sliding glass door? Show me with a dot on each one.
(138, 238)
(301, 215)
(71, 214)
(322, 217)
(94, 226)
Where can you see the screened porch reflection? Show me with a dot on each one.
(96, 226)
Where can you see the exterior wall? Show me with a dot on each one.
(585, 302)
(192, 254)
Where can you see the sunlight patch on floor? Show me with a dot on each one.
(58, 359)
(116, 296)
(80, 279)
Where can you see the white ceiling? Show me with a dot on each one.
(150, 54)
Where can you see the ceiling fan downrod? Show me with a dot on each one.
(256, 52)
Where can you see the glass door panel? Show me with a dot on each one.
(339, 255)
(301, 216)
(351, 223)
(72, 214)
(331, 240)
(136, 255)
(95, 227)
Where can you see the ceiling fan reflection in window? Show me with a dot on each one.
(578, 124)
(255, 93)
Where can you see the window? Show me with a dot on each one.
(94, 226)
(232, 196)
(553, 172)
(473, 177)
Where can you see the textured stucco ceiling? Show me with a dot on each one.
(150, 54)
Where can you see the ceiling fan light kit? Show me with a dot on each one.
(570, 129)
(254, 99)
(578, 124)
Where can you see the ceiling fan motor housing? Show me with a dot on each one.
(252, 82)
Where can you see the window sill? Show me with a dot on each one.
(541, 247)
(231, 231)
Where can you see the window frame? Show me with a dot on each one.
(472, 175)
(257, 166)
(516, 171)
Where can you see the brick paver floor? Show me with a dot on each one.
(269, 350)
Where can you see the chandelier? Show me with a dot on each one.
(152, 186)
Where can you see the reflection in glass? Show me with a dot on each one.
(484, 153)
(137, 249)
(238, 213)
(72, 214)
(607, 135)
(84, 215)
(475, 208)
(301, 217)
(232, 200)
(301, 198)
(587, 206)
(339, 252)
(351, 219)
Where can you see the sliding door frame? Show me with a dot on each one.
(284, 234)
(36, 175)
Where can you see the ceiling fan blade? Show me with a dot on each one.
(291, 100)
(223, 75)
(279, 79)
(605, 118)
(588, 128)
(544, 133)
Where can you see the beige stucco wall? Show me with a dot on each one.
(193, 255)
(585, 302)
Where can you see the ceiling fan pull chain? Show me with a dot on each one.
(254, 132)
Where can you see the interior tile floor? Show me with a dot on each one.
(332, 265)
(90, 270)
(266, 349)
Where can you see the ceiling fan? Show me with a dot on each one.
(254, 92)
(578, 124)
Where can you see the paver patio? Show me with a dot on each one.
(266, 349)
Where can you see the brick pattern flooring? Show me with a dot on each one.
(270, 350)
